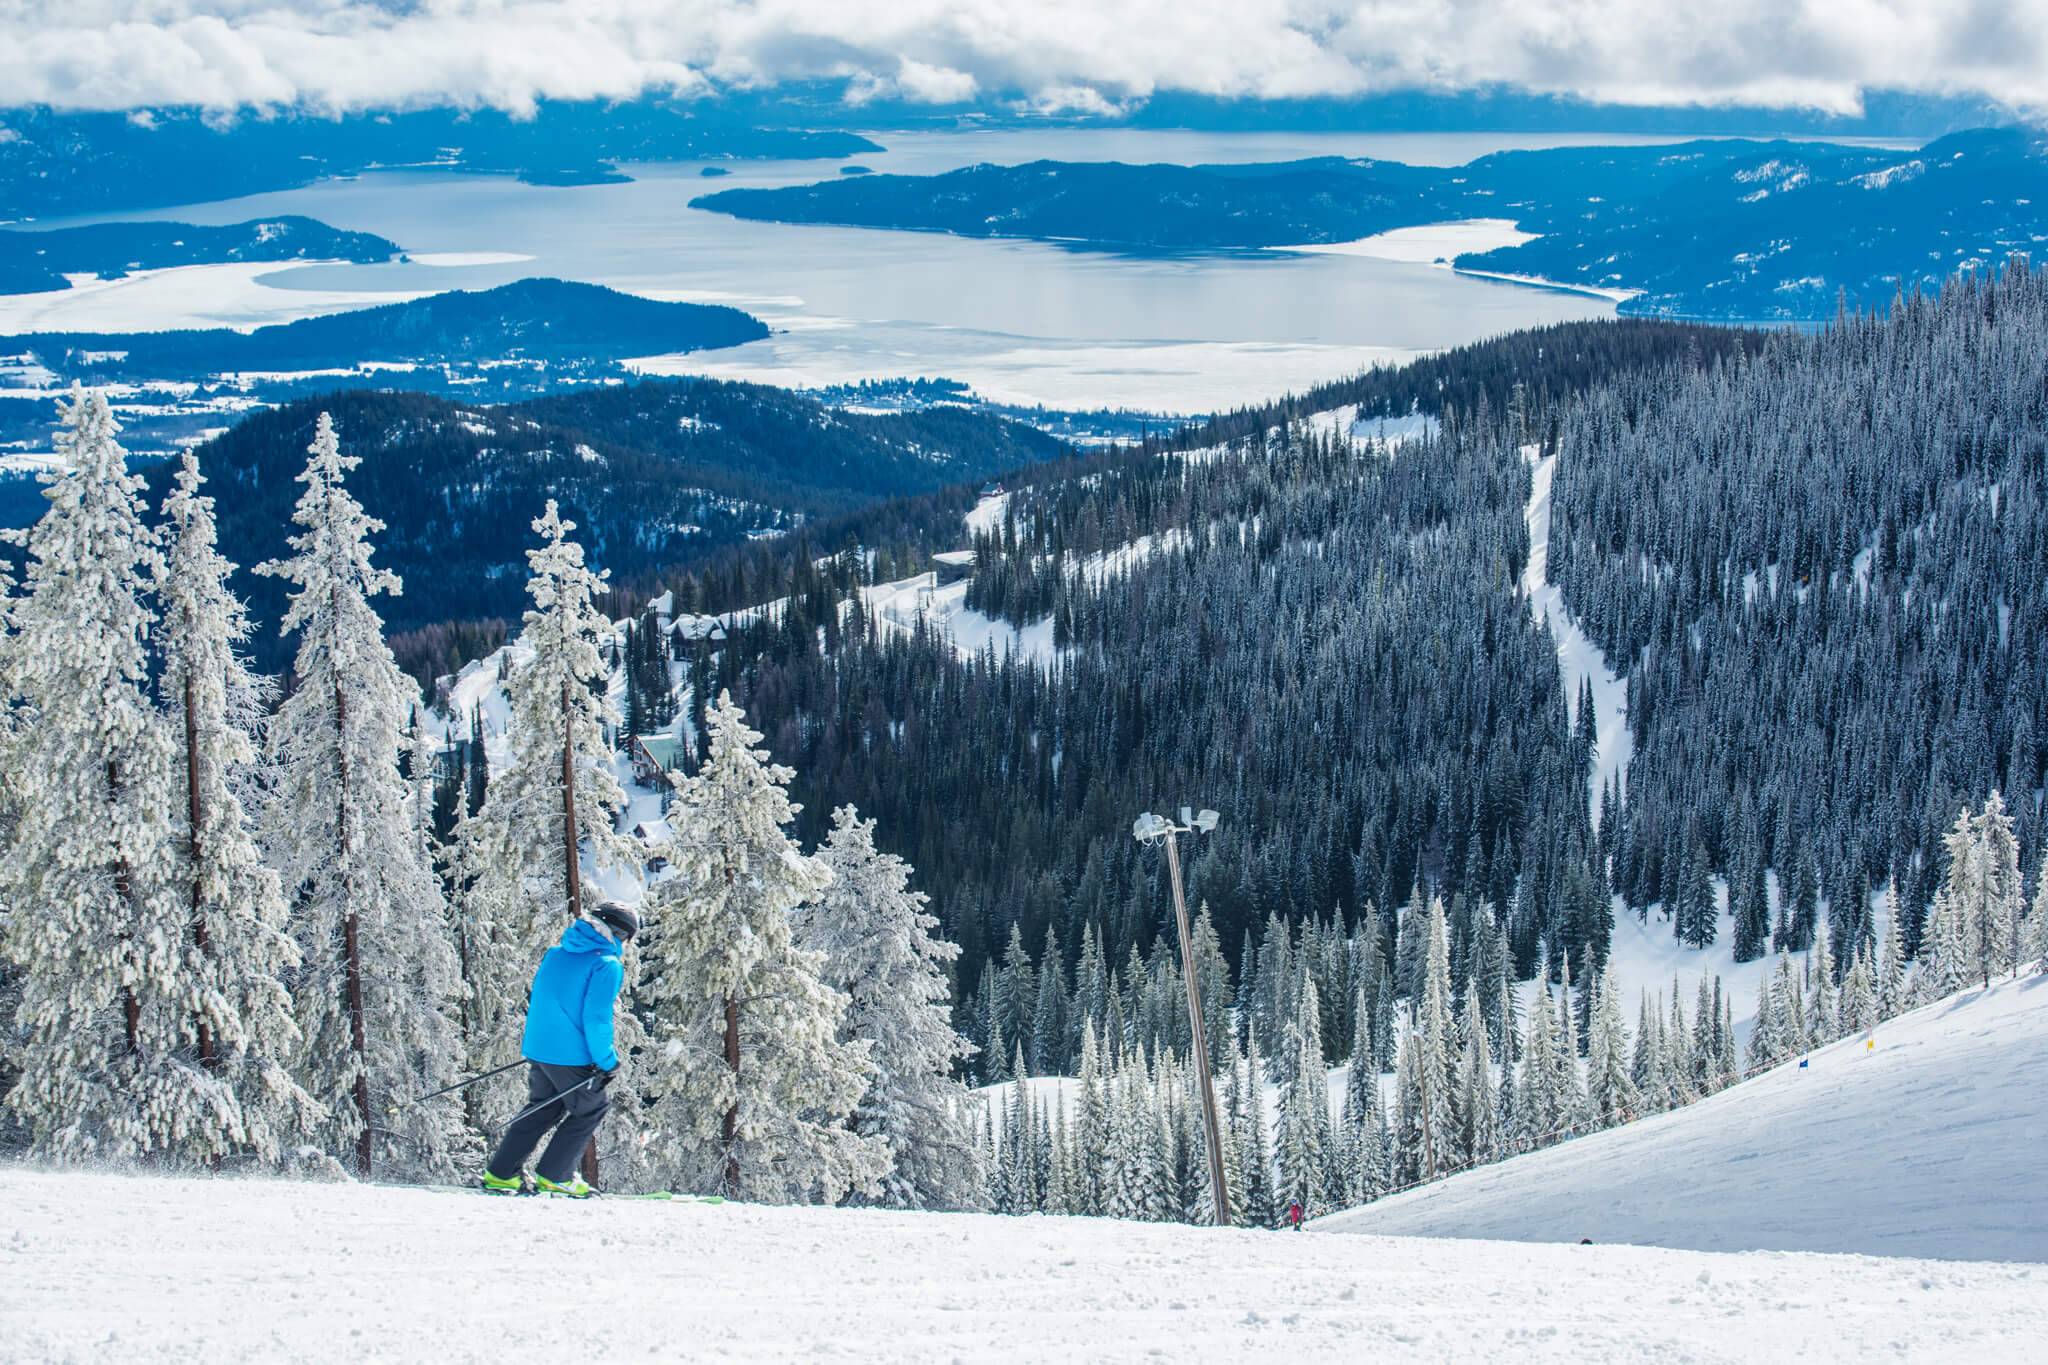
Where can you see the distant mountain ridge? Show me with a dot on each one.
(54, 162)
(657, 475)
(1734, 230)
(31, 262)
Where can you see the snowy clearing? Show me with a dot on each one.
(1428, 243)
(105, 1266)
(1933, 1142)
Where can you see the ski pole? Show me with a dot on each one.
(459, 1085)
(539, 1105)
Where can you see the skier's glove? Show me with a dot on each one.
(604, 1077)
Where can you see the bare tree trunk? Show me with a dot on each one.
(732, 1113)
(131, 1008)
(194, 813)
(352, 957)
(569, 856)
(571, 862)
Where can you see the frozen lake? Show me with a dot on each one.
(1020, 321)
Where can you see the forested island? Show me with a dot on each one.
(1730, 230)
(33, 261)
(533, 321)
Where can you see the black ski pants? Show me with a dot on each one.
(579, 1112)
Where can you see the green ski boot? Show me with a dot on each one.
(492, 1184)
(574, 1188)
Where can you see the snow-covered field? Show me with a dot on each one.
(238, 294)
(106, 1267)
(1931, 1142)
(1427, 244)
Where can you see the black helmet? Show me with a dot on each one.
(622, 920)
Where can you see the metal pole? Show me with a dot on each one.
(1212, 1130)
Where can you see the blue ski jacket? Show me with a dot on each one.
(569, 1017)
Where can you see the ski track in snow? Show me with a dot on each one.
(1929, 1142)
(1577, 656)
(102, 1266)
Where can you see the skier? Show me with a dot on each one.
(570, 1056)
(1294, 1215)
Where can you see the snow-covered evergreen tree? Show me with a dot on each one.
(2036, 938)
(1820, 1014)
(1537, 1104)
(877, 947)
(752, 1087)
(1859, 998)
(1301, 1144)
(240, 946)
(1610, 1092)
(553, 800)
(1481, 1139)
(1993, 925)
(1255, 1175)
(1891, 971)
(1567, 1091)
(105, 1036)
(378, 984)
(1091, 1125)
(1363, 1142)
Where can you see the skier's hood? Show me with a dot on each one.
(583, 937)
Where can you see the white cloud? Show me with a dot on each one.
(124, 54)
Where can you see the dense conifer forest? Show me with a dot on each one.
(1826, 567)
(1332, 645)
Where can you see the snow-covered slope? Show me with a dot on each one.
(104, 1267)
(1931, 1141)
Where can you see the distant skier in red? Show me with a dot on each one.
(1294, 1215)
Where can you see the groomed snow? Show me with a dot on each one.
(1930, 1138)
(109, 1267)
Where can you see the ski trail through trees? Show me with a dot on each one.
(1578, 657)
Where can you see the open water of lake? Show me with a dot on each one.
(1020, 321)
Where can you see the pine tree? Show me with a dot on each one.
(876, 945)
(1610, 1092)
(1766, 1044)
(750, 1086)
(1820, 1014)
(1437, 1125)
(1481, 1138)
(1537, 1104)
(379, 979)
(1091, 1125)
(241, 948)
(1049, 1012)
(1994, 927)
(1364, 1139)
(1255, 1176)
(1696, 920)
(1568, 1091)
(99, 928)
(1859, 998)
(2037, 921)
(1891, 972)
(555, 797)
(1302, 1143)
